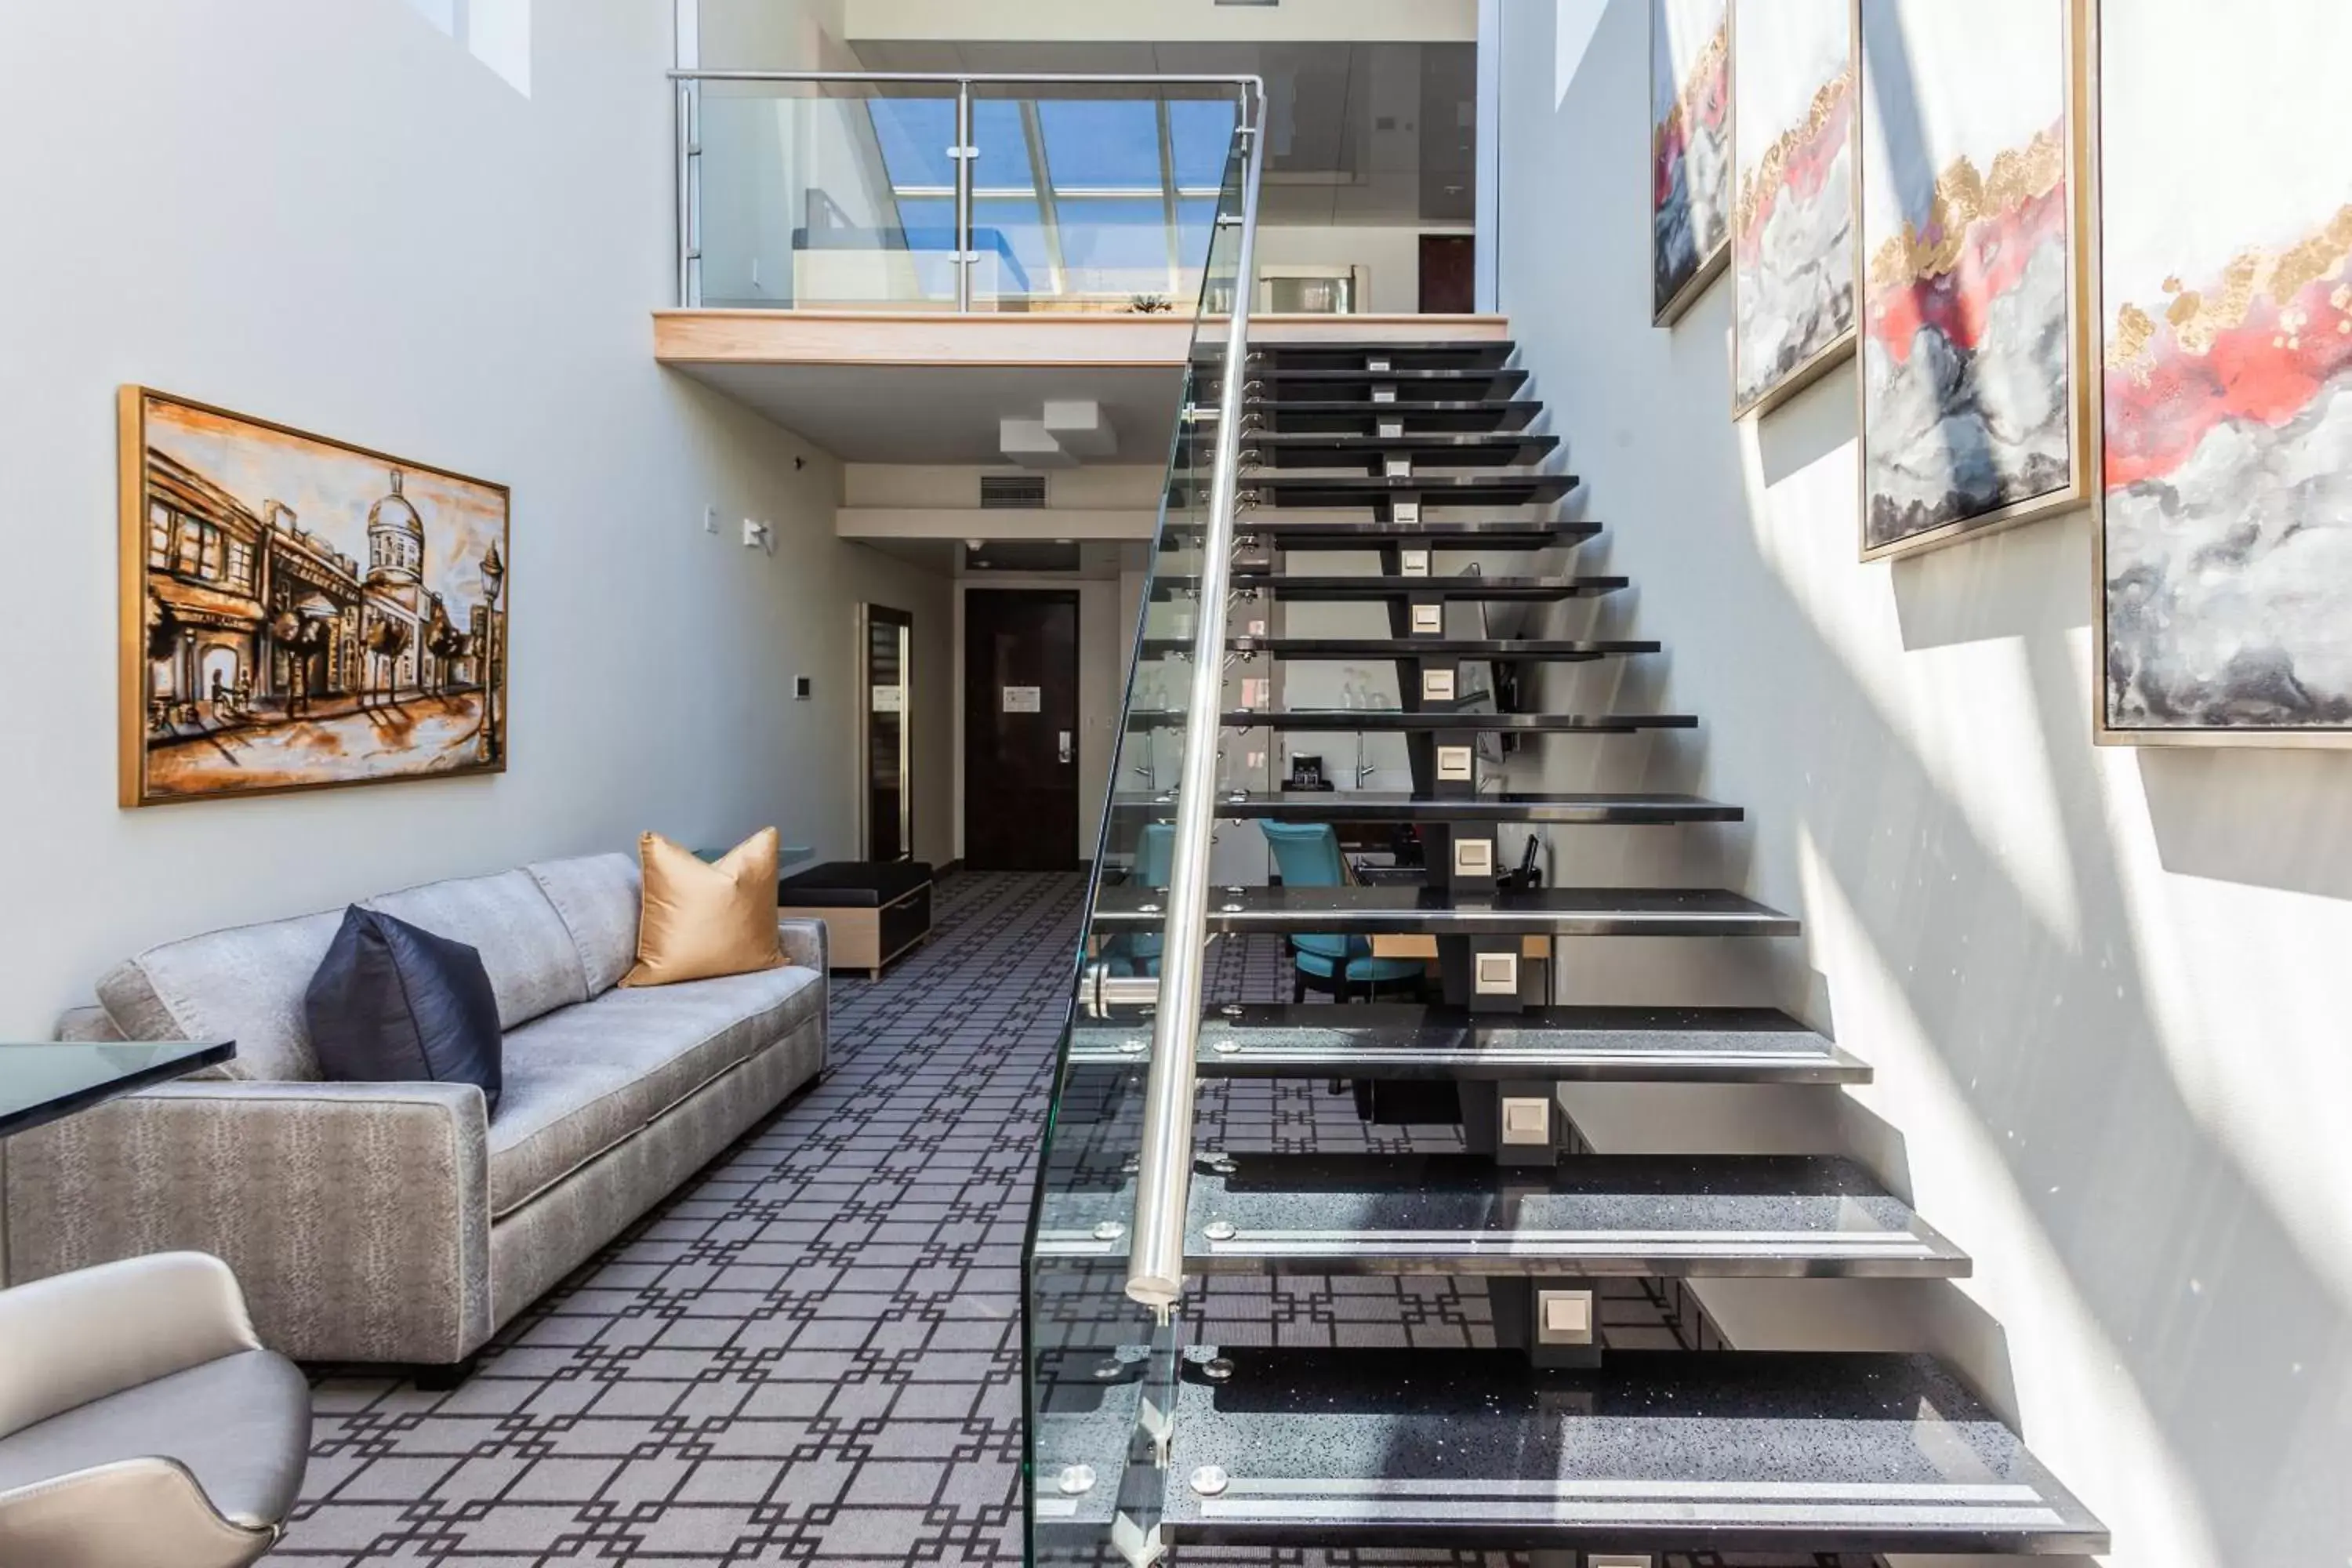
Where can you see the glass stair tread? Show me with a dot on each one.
(1367, 805)
(1567, 1045)
(1372, 533)
(1324, 490)
(1461, 1215)
(1359, 720)
(1420, 911)
(1652, 1451)
(1340, 589)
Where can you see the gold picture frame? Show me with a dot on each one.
(279, 633)
(1715, 261)
(2103, 731)
(2082, 405)
(1841, 348)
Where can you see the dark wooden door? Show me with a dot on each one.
(1449, 274)
(1021, 729)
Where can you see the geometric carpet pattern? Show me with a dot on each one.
(812, 1352)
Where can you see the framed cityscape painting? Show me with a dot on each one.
(1690, 151)
(1793, 230)
(2225, 310)
(298, 613)
(1975, 411)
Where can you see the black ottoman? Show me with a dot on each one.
(874, 911)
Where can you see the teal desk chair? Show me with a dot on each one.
(1308, 856)
(1139, 952)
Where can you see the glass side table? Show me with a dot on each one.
(42, 1083)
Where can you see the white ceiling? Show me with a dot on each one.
(931, 414)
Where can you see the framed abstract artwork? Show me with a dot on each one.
(1975, 408)
(1690, 151)
(2224, 303)
(301, 614)
(1793, 225)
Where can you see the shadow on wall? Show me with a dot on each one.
(1985, 886)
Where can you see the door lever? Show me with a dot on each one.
(1066, 745)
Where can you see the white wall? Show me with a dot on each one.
(2102, 990)
(1392, 254)
(392, 246)
(1164, 21)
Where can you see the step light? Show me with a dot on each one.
(1475, 858)
(1437, 685)
(1525, 1121)
(1454, 764)
(1415, 563)
(1564, 1318)
(1429, 620)
(1498, 975)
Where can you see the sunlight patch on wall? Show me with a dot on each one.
(494, 32)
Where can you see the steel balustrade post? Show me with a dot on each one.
(1155, 1275)
(965, 255)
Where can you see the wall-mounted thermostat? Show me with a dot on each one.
(803, 688)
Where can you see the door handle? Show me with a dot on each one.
(1066, 745)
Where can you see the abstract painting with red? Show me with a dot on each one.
(1690, 149)
(1969, 366)
(1792, 228)
(2226, 322)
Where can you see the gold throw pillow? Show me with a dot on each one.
(699, 921)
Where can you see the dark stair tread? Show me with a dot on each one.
(1728, 1451)
(1359, 720)
(1650, 1215)
(1420, 414)
(1500, 650)
(1373, 533)
(1423, 353)
(1393, 1040)
(1330, 490)
(1413, 911)
(1362, 806)
(1306, 450)
(1334, 589)
(1495, 378)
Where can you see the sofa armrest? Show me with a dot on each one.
(79, 1337)
(804, 945)
(85, 1025)
(135, 1513)
(356, 1215)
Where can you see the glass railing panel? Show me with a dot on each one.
(824, 196)
(1103, 196)
(1099, 1368)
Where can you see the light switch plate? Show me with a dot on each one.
(1474, 857)
(1454, 765)
(1526, 1120)
(1564, 1318)
(1498, 975)
(1437, 686)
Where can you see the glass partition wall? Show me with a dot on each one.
(1100, 1367)
(817, 192)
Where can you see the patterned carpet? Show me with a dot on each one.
(812, 1353)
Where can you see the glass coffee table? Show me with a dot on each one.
(40, 1083)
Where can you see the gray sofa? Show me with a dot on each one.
(398, 1222)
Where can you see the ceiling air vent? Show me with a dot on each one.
(1012, 492)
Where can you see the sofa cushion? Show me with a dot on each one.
(596, 895)
(534, 966)
(581, 1080)
(245, 983)
(393, 1003)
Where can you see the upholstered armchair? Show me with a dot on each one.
(142, 1424)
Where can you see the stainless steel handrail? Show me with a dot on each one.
(689, 150)
(1155, 1270)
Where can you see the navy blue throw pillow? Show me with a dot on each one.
(394, 1004)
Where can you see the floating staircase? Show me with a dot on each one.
(1148, 1442)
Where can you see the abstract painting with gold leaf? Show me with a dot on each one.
(2226, 322)
(1969, 364)
(1792, 226)
(1690, 149)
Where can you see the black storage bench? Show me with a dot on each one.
(874, 913)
